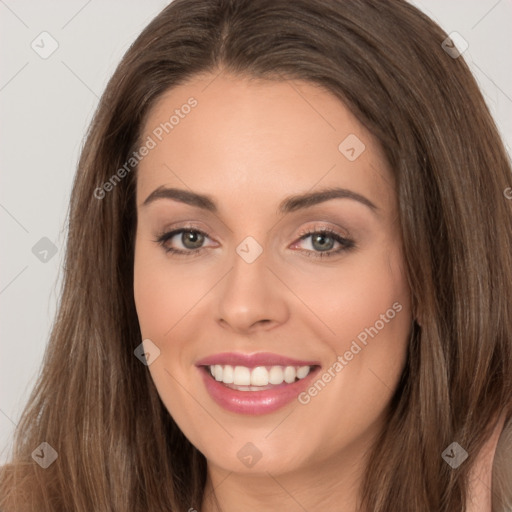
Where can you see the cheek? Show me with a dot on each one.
(380, 318)
(370, 314)
(162, 300)
(151, 295)
(357, 297)
(366, 306)
(163, 292)
(374, 303)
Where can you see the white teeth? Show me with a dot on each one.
(289, 374)
(242, 376)
(228, 375)
(302, 371)
(258, 376)
(276, 375)
(217, 372)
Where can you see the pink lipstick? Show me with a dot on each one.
(257, 383)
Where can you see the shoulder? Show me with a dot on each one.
(502, 471)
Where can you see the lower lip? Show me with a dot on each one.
(254, 402)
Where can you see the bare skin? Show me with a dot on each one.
(249, 145)
(480, 481)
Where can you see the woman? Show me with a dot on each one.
(288, 278)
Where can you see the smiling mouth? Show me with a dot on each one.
(259, 378)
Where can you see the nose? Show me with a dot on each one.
(251, 298)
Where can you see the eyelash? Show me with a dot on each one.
(345, 243)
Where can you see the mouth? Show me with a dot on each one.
(255, 384)
(260, 378)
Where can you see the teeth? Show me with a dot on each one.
(228, 375)
(242, 376)
(276, 375)
(302, 371)
(258, 376)
(217, 372)
(289, 374)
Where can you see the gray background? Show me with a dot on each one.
(46, 106)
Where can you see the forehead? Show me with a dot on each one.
(220, 134)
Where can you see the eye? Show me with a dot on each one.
(323, 241)
(191, 241)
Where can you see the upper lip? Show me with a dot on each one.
(253, 360)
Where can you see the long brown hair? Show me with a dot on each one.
(95, 403)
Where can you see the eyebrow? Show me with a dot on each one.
(288, 205)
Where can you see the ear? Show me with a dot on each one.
(479, 497)
(417, 314)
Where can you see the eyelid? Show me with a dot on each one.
(319, 227)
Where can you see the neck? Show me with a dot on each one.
(330, 485)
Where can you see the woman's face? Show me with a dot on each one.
(306, 334)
